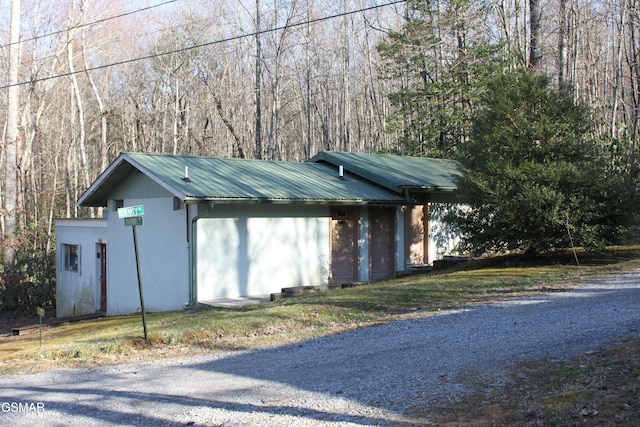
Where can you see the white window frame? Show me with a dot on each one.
(71, 257)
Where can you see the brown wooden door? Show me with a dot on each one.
(382, 242)
(344, 244)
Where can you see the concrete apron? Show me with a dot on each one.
(236, 302)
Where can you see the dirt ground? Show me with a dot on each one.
(8, 321)
(596, 389)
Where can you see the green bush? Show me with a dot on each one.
(29, 284)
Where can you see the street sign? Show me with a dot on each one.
(133, 220)
(130, 211)
(40, 311)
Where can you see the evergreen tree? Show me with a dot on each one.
(535, 176)
(436, 63)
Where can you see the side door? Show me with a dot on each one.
(382, 242)
(344, 244)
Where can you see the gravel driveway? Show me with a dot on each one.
(379, 375)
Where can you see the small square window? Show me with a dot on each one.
(71, 257)
(117, 204)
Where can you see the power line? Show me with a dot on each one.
(88, 24)
(121, 39)
(210, 43)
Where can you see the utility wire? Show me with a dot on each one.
(210, 43)
(88, 24)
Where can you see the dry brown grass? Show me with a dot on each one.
(597, 389)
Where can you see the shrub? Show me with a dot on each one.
(30, 283)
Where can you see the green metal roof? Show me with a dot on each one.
(239, 181)
(398, 173)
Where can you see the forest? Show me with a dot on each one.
(83, 81)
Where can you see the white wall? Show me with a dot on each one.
(260, 249)
(442, 238)
(163, 251)
(164, 259)
(78, 292)
(364, 274)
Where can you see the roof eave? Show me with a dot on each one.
(429, 189)
(254, 201)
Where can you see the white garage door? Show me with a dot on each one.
(249, 256)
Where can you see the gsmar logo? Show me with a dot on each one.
(36, 407)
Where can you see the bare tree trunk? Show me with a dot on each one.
(345, 94)
(103, 117)
(535, 47)
(258, 87)
(502, 15)
(104, 112)
(82, 136)
(617, 74)
(307, 40)
(375, 113)
(68, 183)
(176, 116)
(562, 42)
(574, 51)
(230, 127)
(634, 73)
(56, 161)
(11, 143)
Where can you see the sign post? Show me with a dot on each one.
(132, 216)
(40, 312)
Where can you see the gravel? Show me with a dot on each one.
(381, 375)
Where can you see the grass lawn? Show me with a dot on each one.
(206, 330)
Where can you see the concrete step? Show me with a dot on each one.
(450, 261)
(301, 290)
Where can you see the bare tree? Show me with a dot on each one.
(535, 42)
(258, 85)
(562, 41)
(11, 141)
(633, 63)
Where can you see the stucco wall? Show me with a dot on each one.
(78, 292)
(443, 239)
(259, 249)
(163, 249)
(164, 259)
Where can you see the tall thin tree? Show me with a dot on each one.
(562, 41)
(11, 143)
(535, 43)
(258, 152)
